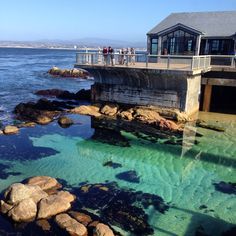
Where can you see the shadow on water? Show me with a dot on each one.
(205, 225)
(20, 147)
(5, 173)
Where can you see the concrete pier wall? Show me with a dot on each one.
(162, 88)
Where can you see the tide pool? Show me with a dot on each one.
(187, 177)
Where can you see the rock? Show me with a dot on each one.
(112, 164)
(26, 124)
(55, 204)
(204, 125)
(10, 129)
(44, 182)
(103, 230)
(126, 115)
(65, 122)
(130, 176)
(169, 125)
(44, 225)
(109, 110)
(68, 72)
(24, 211)
(18, 192)
(229, 188)
(50, 92)
(4, 207)
(81, 217)
(87, 110)
(84, 94)
(94, 224)
(70, 225)
(147, 116)
(43, 120)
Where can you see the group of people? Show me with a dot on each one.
(125, 56)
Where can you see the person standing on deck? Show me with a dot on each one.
(111, 54)
(105, 55)
(132, 59)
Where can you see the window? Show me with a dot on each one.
(179, 42)
(154, 46)
(215, 45)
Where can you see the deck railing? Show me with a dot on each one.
(169, 62)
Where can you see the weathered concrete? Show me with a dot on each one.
(161, 88)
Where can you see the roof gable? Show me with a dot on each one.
(211, 23)
(180, 26)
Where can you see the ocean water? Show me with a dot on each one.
(191, 176)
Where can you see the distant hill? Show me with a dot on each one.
(84, 42)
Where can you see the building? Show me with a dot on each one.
(197, 33)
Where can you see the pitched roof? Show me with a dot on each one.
(211, 24)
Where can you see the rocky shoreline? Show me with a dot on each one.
(47, 110)
(41, 199)
(40, 203)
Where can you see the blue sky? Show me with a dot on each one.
(74, 19)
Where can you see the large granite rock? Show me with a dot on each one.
(103, 230)
(10, 129)
(109, 110)
(24, 211)
(70, 225)
(44, 182)
(55, 204)
(87, 110)
(5, 207)
(81, 217)
(147, 116)
(78, 73)
(18, 192)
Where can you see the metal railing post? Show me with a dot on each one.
(147, 60)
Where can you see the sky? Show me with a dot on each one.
(126, 20)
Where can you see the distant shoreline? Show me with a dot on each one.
(60, 48)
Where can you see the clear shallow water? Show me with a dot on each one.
(183, 175)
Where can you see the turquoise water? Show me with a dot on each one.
(185, 175)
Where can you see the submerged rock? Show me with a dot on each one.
(203, 124)
(112, 164)
(120, 207)
(129, 176)
(229, 188)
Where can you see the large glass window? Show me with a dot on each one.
(179, 42)
(154, 46)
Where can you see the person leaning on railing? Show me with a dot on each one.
(111, 54)
(105, 55)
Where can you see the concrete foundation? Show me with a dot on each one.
(162, 88)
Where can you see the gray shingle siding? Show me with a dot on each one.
(211, 24)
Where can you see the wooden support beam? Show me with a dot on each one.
(207, 97)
